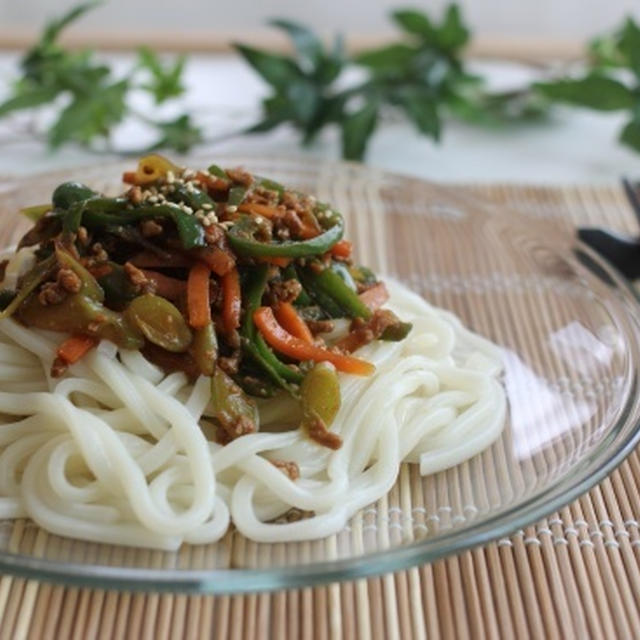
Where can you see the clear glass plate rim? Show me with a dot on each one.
(227, 581)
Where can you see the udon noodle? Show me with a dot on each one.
(118, 452)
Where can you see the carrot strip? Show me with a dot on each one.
(198, 304)
(261, 210)
(213, 183)
(75, 347)
(231, 300)
(278, 261)
(297, 348)
(341, 249)
(219, 261)
(375, 296)
(129, 177)
(291, 321)
(166, 287)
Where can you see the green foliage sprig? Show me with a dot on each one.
(423, 76)
(89, 99)
(611, 81)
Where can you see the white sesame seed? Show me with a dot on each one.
(232, 208)
(170, 177)
(207, 206)
(188, 173)
(152, 199)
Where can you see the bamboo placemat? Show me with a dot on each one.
(574, 574)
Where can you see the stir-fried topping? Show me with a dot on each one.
(214, 272)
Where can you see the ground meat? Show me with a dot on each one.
(139, 279)
(67, 281)
(318, 431)
(320, 326)
(231, 363)
(135, 195)
(283, 291)
(83, 236)
(289, 468)
(150, 228)
(241, 176)
(241, 426)
(366, 331)
(291, 221)
(294, 515)
(214, 234)
(99, 253)
(58, 368)
(262, 195)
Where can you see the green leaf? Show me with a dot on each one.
(422, 110)
(180, 134)
(277, 70)
(388, 57)
(165, 81)
(307, 44)
(415, 22)
(28, 98)
(303, 97)
(630, 135)
(91, 116)
(629, 45)
(357, 129)
(453, 33)
(594, 91)
(55, 27)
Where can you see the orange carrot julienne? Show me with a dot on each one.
(341, 249)
(278, 261)
(75, 347)
(219, 261)
(261, 210)
(294, 347)
(291, 321)
(198, 304)
(231, 300)
(375, 296)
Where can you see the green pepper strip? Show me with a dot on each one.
(215, 170)
(31, 281)
(253, 342)
(322, 299)
(242, 240)
(195, 199)
(329, 283)
(104, 212)
(236, 195)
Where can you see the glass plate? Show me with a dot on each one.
(568, 328)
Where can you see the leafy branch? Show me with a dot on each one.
(87, 97)
(611, 81)
(423, 76)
